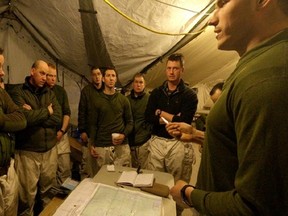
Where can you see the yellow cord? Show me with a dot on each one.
(149, 29)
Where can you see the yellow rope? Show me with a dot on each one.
(147, 28)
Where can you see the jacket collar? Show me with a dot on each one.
(139, 96)
(180, 87)
(33, 89)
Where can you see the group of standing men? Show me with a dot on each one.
(243, 168)
(36, 118)
(43, 113)
(142, 138)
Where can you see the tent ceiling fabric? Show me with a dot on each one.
(53, 31)
(95, 45)
(131, 47)
(56, 26)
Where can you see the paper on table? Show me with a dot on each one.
(115, 201)
(97, 199)
(78, 199)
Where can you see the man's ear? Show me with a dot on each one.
(32, 71)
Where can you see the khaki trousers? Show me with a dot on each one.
(117, 155)
(172, 156)
(139, 155)
(9, 187)
(36, 171)
(64, 164)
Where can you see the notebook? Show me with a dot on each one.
(132, 178)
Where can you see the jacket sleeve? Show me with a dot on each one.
(39, 116)
(33, 117)
(151, 108)
(11, 117)
(55, 119)
(66, 107)
(188, 107)
(128, 117)
(83, 112)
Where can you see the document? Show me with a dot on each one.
(97, 199)
(115, 201)
(78, 199)
(132, 178)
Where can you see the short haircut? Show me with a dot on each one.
(104, 69)
(51, 65)
(35, 64)
(215, 87)
(177, 57)
(1, 51)
(138, 75)
(94, 68)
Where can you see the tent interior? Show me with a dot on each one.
(131, 35)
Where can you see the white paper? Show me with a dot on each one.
(90, 198)
(113, 201)
(78, 199)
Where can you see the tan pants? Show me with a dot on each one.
(84, 171)
(117, 155)
(35, 170)
(172, 156)
(9, 186)
(64, 165)
(139, 155)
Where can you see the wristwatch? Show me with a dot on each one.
(183, 195)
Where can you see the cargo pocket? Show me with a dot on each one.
(188, 160)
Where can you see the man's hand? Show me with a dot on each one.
(84, 137)
(59, 135)
(27, 107)
(118, 140)
(179, 129)
(185, 132)
(93, 152)
(176, 194)
(50, 109)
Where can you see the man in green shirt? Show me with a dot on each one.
(112, 114)
(244, 162)
(141, 133)
(89, 95)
